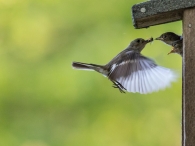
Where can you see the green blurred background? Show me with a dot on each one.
(44, 102)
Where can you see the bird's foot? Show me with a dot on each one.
(116, 84)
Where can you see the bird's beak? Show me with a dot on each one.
(158, 38)
(172, 51)
(149, 40)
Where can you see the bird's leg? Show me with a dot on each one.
(119, 86)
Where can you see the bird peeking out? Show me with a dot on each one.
(131, 71)
(177, 47)
(169, 38)
(174, 40)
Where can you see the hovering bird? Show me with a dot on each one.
(131, 71)
(174, 40)
(177, 47)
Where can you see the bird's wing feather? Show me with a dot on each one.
(137, 73)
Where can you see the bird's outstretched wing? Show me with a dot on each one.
(137, 73)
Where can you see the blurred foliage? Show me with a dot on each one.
(44, 102)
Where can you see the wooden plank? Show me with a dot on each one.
(156, 12)
(188, 104)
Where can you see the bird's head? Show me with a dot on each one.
(177, 47)
(168, 37)
(138, 44)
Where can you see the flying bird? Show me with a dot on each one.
(132, 72)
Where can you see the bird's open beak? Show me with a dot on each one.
(158, 38)
(149, 40)
(172, 51)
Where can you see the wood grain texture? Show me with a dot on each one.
(155, 12)
(188, 107)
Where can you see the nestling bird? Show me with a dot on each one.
(130, 71)
(174, 40)
(169, 37)
(177, 47)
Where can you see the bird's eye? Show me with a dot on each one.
(164, 36)
(138, 41)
